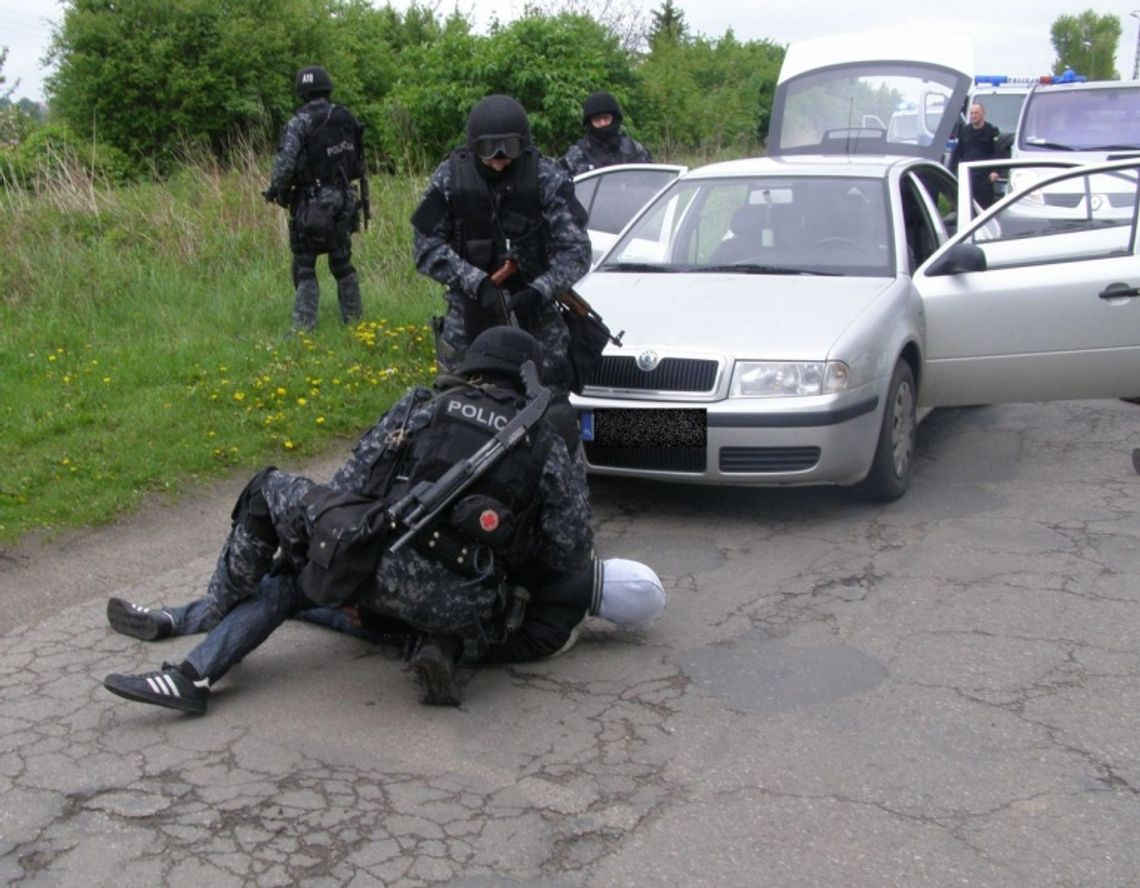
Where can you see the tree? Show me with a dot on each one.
(668, 25)
(5, 94)
(1087, 44)
(150, 76)
(622, 18)
(550, 64)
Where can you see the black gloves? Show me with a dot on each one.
(489, 296)
(526, 301)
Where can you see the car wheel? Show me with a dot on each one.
(893, 464)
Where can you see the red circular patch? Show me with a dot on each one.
(489, 520)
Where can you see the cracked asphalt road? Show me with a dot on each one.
(940, 691)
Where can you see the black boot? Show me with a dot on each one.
(434, 665)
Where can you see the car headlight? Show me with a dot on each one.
(773, 379)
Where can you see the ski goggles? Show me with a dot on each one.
(490, 147)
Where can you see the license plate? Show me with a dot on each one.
(668, 428)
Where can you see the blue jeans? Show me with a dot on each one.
(241, 630)
(252, 621)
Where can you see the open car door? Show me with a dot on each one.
(1039, 298)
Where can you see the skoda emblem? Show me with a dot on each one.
(648, 360)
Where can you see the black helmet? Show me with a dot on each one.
(501, 349)
(313, 80)
(498, 127)
(600, 103)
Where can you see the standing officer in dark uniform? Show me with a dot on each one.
(520, 530)
(604, 143)
(493, 199)
(978, 140)
(320, 156)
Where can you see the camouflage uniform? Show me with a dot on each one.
(591, 153)
(567, 260)
(414, 588)
(337, 200)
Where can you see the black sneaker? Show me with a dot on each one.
(434, 664)
(167, 687)
(139, 622)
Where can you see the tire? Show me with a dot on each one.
(893, 465)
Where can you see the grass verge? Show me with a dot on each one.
(145, 344)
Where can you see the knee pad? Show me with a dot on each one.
(304, 267)
(631, 596)
(252, 509)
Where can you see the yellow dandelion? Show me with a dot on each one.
(106, 380)
(239, 396)
(289, 445)
(280, 391)
(301, 402)
(320, 420)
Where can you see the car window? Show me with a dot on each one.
(867, 108)
(1084, 215)
(919, 209)
(616, 197)
(943, 191)
(585, 191)
(796, 224)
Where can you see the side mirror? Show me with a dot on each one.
(959, 259)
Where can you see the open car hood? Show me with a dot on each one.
(890, 94)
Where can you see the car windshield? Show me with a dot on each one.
(826, 225)
(1082, 120)
(1002, 109)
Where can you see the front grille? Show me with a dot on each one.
(1068, 201)
(661, 459)
(671, 375)
(767, 459)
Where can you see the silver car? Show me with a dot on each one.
(789, 319)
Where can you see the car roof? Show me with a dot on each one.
(871, 166)
(1085, 86)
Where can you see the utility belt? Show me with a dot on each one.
(455, 552)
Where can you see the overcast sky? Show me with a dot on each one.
(1010, 36)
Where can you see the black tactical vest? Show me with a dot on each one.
(465, 419)
(500, 219)
(333, 151)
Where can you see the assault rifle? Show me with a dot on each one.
(427, 499)
(365, 200)
(568, 297)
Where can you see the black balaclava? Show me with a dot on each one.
(602, 103)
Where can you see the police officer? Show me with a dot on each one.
(320, 155)
(978, 140)
(522, 527)
(604, 143)
(493, 199)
